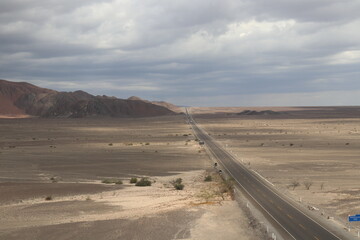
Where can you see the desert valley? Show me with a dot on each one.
(66, 168)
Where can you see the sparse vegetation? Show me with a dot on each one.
(226, 186)
(48, 198)
(54, 179)
(147, 143)
(111, 181)
(177, 183)
(294, 184)
(110, 144)
(143, 182)
(207, 195)
(133, 180)
(179, 186)
(308, 184)
(208, 178)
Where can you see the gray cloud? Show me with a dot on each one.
(188, 52)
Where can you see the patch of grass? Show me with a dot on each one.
(133, 180)
(208, 178)
(143, 182)
(111, 181)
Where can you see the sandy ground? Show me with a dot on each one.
(155, 212)
(66, 159)
(300, 146)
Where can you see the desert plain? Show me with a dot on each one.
(52, 174)
(310, 154)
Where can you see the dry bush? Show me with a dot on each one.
(308, 184)
(294, 184)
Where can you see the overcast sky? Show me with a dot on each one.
(188, 52)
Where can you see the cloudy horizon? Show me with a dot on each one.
(195, 53)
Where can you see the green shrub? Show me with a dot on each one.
(143, 182)
(177, 183)
(179, 186)
(133, 180)
(110, 181)
(107, 181)
(208, 178)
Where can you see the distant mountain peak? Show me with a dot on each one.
(135, 98)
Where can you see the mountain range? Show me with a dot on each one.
(21, 99)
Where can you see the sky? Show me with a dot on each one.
(188, 52)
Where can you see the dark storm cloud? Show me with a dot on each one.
(189, 52)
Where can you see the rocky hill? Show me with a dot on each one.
(167, 105)
(20, 98)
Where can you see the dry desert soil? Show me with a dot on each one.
(314, 146)
(51, 173)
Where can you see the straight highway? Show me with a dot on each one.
(295, 223)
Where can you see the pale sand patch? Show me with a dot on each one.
(221, 218)
(15, 116)
(223, 222)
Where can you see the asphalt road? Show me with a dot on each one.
(295, 223)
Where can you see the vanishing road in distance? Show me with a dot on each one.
(295, 223)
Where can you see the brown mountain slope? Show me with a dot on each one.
(167, 105)
(23, 98)
(10, 92)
